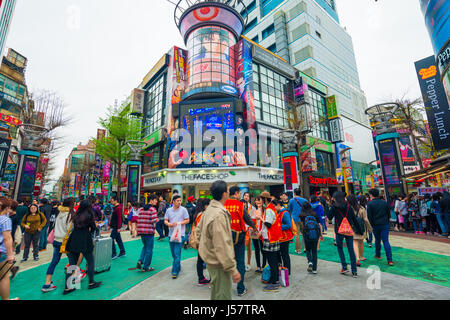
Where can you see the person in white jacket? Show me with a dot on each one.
(62, 225)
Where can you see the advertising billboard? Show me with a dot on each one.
(437, 22)
(308, 158)
(406, 150)
(198, 117)
(389, 162)
(244, 80)
(212, 15)
(137, 101)
(5, 145)
(435, 100)
(29, 175)
(133, 180)
(348, 160)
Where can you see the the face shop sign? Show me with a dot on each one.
(205, 176)
(152, 180)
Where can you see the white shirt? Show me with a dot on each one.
(271, 216)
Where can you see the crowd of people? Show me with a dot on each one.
(222, 229)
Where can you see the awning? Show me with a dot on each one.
(438, 166)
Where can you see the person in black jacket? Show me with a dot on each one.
(46, 209)
(379, 214)
(340, 210)
(80, 241)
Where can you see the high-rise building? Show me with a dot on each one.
(308, 35)
(6, 13)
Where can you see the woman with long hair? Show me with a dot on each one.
(132, 218)
(80, 241)
(257, 242)
(358, 239)
(62, 224)
(363, 202)
(33, 222)
(345, 227)
(202, 204)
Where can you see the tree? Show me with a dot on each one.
(120, 127)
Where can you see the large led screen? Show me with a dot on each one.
(29, 175)
(389, 162)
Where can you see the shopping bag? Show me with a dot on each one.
(51, 236)
(284, 277)
(176, 234)
(401, 219)
(265, 277)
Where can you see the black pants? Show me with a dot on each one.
(432, 223)
(200, 268)
(73, 259)
(31, 238)
(258, 251)
(311, 253)
(272, 258)
(284, 257)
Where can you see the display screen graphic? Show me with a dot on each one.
(133, 176)
(391, 169)
(29, 175)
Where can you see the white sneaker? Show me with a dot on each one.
(248, 267)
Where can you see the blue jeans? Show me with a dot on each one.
(239, 252)
(115, 235)
(56, 257)
(43, 240)
(160, 228)
(417, 224)
(147, 250)
(339, 243)
(323, 223)
(443, 223)
(369, 237)
(175, 249)
(381, 233)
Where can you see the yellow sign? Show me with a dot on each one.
(158, 66)
(428, 73)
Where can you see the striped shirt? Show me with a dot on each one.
(146, 221)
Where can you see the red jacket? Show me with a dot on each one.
(116, 217)
(146, 221)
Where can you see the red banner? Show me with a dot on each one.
(10, 120)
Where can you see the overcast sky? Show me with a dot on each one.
(94, 52)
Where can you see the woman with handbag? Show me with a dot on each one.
(33, 222)
(358, 239)
(7, 259)
(80, 241)
(62, 228)
(345, 227)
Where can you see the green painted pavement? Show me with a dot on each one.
(27, 285)
(409, 263)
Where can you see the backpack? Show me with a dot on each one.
(361, 224)
(265, 277)
(311, 229)
(108, 210)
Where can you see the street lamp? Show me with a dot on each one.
(344, 168)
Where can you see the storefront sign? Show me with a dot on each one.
(430, 191)
(443, 58)
(7, 97)
(11, 120)
(137, 101)
(319, 144)
(205, 176)
(332, 107)
(274, 177)
(336, 130)
(154, 138)
(322, 181)
(435, 100)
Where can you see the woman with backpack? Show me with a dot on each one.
(312, 233)
(345, 227)
(33, 222)
(319, 210)
(358, 239)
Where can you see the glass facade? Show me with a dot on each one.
(324, 163)
(211, 59)
(319, 116)
(154, 105)
(11, 88)
(152, 159)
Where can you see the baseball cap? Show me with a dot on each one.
(265, 194)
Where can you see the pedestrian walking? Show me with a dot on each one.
(33, 222)
(115, 224)
(46, 209)
(7, 258)
(216, 243)
(256, 235)
(365, 226)
(239, 218)
(444, 215)
(285, 199)
(312, 233)
(132, 218)
(63, 222)
(161, 228)
(145, 228)
(81, 241)
(21, 211)
(295, 208)
(201, 207)
(271, 233)
(319, 210)
(191, 209)
(378, 213)
(345, 227)
(286, 234)
(176, 218)
(363, 201)
(248, 243)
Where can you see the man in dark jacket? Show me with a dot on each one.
(46, 209)
(115, 224)
(379, 214)
(445, 209)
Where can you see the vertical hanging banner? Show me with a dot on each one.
(244, 80)
(435, 100)
(5, 145)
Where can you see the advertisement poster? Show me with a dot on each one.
(309, 161)
(29, 175)
(389, 162)
(133, 176)
(5, 145)
(406, 150)
(348, 161)
(244, 80)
